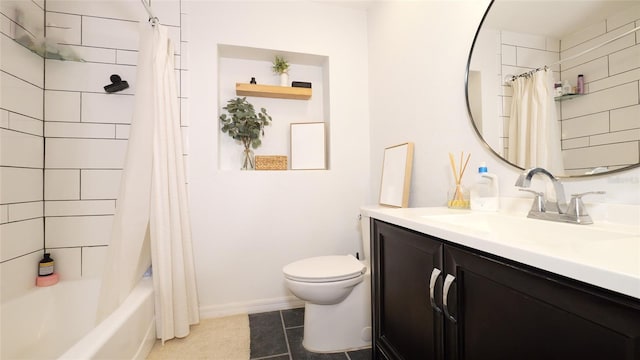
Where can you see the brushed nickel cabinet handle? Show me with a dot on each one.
(448, 281)
(432, 286)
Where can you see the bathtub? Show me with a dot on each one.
(58, 322)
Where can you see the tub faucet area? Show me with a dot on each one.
(557, 210)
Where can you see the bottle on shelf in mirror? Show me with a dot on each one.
(580, 84)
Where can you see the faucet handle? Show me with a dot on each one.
(538, 201)
(580, 195)
(577, 210)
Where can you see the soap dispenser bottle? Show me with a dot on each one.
(484, 193)
(46, 274)
(45, 266)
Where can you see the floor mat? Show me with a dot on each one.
(220, 338)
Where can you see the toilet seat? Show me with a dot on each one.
(324, 269)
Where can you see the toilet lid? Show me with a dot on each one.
(324, 268)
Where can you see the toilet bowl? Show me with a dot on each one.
(337, 294)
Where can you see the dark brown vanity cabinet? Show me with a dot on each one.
(404, 324)
(495, 309)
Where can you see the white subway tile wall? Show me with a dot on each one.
(602, 128)
(61, 184)
(26, 235)
(65, 27)
(31, 149)
(68, 262)
(62, 192)
(62, 106)
(24, 124)
(4, 214)
(79, 208)
(625, 118)
(79, 130)
(20, 185)
(20, 275)
(99, 184)
(20, 62)
(605, 123)
(20, 96)
(25, 211)
(72, 153)
(93, 261)
(21, 148)
(107, 108)
(122, 131)
(74, 231)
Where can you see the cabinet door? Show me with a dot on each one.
(405, 326)
(509, 311)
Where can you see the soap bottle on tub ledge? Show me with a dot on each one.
(46, 274)
(484, 194)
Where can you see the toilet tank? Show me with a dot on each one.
(365, 232)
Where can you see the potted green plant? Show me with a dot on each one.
(281, 67)
(243, 124)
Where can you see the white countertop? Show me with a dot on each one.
(605, 254)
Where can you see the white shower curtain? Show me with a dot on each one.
(534, 132)
(152, 217)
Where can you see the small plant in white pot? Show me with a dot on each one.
(243, 124)
(281, 67)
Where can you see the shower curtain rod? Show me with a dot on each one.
(531, 72)
(152, 18)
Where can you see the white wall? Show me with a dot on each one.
(248, 225)
(417, 59)
(422, 100)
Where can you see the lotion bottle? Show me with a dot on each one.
(484, 192)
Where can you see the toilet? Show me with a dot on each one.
(336, 290)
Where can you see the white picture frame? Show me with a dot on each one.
(308, 146)
(396, 175)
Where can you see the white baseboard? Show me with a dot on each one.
(250, 307)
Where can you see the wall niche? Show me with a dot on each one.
(238, 64)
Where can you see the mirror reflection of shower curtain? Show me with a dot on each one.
(152, 216)
(534, 131)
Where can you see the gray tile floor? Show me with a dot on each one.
(277, 335)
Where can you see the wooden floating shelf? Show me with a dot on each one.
(272, 91)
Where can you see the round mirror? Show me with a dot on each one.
(556, 84)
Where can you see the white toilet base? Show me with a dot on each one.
(340, 327)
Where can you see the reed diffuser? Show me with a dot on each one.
(458, 197)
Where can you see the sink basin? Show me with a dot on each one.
(558, 238)
(519, 229)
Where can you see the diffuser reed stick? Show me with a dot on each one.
(458, 200)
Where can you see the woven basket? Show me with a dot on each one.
(271, 162)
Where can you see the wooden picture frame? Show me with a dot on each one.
(396, 175)
(308, 146)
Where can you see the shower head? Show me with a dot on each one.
(117, 84)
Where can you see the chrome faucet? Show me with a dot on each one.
(560, 205)
(558, 210)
